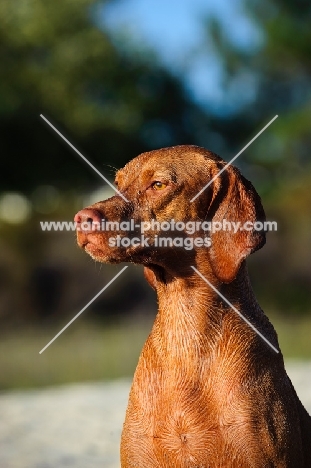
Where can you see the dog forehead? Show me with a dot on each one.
(172, 161)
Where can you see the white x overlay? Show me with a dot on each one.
(197, 195)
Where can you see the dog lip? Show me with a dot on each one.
(89, 244)
(91, 248)
(82, 239)
(86, 243)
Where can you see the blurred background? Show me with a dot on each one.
(118, 78)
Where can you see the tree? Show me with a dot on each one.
(112, 101)
(277, 69)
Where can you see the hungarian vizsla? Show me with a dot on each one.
(208, 391)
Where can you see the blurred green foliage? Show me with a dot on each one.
(112, 100)
(277, 68)
(85, 352)
(89, 352)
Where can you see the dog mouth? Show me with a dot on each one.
(99, 254)
(90, 248)
(98, 249)
(88, 244)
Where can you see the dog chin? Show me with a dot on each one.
(102, 255)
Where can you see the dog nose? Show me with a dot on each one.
(87, 218)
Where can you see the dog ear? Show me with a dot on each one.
(236, 201)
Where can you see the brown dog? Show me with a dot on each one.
(208, 392)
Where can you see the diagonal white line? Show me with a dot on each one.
(235, 310)
(83, 157)
(233, 159)
(82, 310)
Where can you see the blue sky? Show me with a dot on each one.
(175, 29)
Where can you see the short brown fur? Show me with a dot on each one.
(208, 392)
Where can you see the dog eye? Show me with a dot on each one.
(158, 185)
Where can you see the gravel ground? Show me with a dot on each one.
(80, 425)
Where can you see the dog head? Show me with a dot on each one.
(161, 221)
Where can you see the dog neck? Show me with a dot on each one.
(192, 317)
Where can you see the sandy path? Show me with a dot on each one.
(79, 426)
